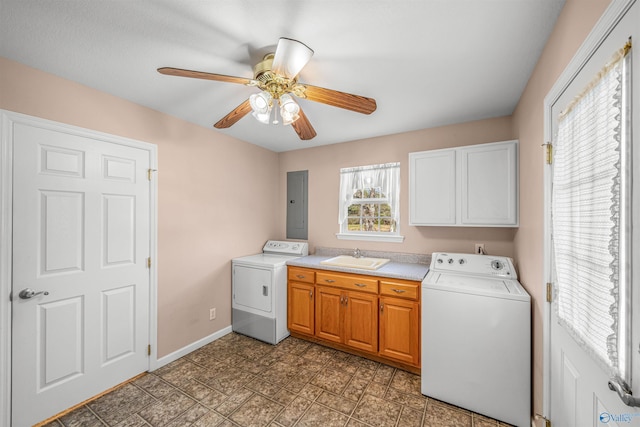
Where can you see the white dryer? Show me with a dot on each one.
(476, 336)
(259, 291)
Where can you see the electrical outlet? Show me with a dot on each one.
(480, 248)
(212, 314)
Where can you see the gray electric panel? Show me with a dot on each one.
(297, 205)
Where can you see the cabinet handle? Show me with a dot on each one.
(329, 280)
(300, 276)
(381, 307)
(341, 300)
(360, 285)
(310, 294)
(346, 300)
(398, 291)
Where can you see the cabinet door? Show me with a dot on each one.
(361, 321)
(489, 184)
(432, 187)
(300, 308)
(328, 314)
(400, 330)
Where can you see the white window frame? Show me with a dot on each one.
(391, 199)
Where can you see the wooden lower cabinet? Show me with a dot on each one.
(349, 318)
(361, 321)
(300, 308)
(400, 330)
(329, 314)
(375, 317)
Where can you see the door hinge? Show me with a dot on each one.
(548, 153)
(149, 350)
(547, 421)
(549, 291)
(149, 262)
(150, 173)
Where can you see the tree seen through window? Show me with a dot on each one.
(370, 211)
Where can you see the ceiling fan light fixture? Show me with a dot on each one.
(291, 57)
(289, 109)
(261, 102)
(262, 117)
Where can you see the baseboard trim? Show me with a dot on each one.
(165, 360)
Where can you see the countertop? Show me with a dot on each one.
(393, 269)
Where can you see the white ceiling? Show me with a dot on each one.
(426, 62)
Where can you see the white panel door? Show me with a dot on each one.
(580, 395)
(81, 242)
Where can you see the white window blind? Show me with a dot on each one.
(589, 214)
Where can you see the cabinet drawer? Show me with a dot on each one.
(347, 281)
(400, 289)
(301, 275)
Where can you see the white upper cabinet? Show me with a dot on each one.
(474, 186)
(432, 187)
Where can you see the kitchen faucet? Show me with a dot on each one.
(357, 253)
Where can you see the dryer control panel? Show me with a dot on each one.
(286, 248)
(473, 264)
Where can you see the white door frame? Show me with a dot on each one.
(7, 119)
(609, 19)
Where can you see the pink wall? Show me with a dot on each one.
(204, 218)
(574, 24)
(324, 163)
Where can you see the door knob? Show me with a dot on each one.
(29, 293)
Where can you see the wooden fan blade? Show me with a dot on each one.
(202, 75)
(230, 119)
(348, 101)
(303, 127)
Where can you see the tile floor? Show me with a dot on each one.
(238, 381)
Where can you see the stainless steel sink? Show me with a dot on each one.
(348, 261)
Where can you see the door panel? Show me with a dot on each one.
(81, 236)
(119, 219)
(329, 314)
(579, 395)
(361, 321)
(60, 354)
(399, 330)
(300, 308)
(62, 225)
(118, 327)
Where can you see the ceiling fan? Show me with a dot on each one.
(277, 78)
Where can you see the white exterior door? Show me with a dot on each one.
(81, 239)
(579, 392)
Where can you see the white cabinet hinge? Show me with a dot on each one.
(549, 291)
(149, 350)
(149, 262)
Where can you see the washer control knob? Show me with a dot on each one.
(440, 261)
(450, 261)
(497, 265)
(461, 261)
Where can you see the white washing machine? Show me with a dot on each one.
(259, 291)
(476, 336)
